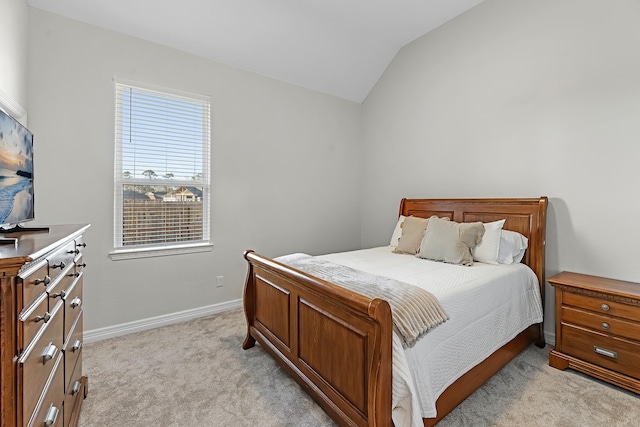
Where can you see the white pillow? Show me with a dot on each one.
(512, 247)
(487, 250)
(397, 232)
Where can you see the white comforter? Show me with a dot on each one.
(488, 305)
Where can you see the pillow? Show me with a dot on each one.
(397, 232)
(512, 247)
(412, 233)
(450, 241)
(487, 250)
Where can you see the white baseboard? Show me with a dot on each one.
(550, 338)
(158, 321)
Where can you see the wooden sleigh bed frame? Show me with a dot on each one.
(338, 344)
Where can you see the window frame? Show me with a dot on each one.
(121, 251)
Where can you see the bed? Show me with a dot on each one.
(339, 345)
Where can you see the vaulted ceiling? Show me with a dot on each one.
(338, 47)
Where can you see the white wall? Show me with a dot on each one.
(14, 31)
(285, 166)
(518, 98)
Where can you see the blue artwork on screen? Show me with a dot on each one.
(16, 171)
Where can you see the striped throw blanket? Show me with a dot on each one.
(414, 310)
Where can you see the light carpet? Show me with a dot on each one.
(197, 374)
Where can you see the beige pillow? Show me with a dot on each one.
(412, 233)
(450, 241)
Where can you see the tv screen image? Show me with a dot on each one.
(16, 172)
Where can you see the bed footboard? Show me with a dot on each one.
(336, 344)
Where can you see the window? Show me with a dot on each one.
(162, 157)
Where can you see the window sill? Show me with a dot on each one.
(120, 254)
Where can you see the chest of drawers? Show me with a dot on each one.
(598, 328)
(41, 318)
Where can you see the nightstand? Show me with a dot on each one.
(598, 328)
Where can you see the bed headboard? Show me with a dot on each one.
(526, 216)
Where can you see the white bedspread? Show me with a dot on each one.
(488, 305)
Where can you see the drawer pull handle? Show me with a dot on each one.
(605, 307)
(75, 388)
(77, 251)
(83, 265)
(76, 346)
(605, 352)
(45, 318)
(73, 274)
(60, 265)
(60, 294)
(52, 415)
(81, 245)
(46, 280)
(75, 302)
(605, 325)
(49, 352)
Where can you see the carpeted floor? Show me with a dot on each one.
(196, 374)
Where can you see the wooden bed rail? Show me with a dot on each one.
(336, 344)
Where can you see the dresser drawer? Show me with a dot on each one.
(603, 350)
(32, 319)
(34, 282)
(72, 305)
(605, 324)
(602, 306)
(74, 393)
(79, 263)
(37, 361)
(61, 260)
(72, 349)
(50, 411)
(61, 283)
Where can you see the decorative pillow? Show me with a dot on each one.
(513, 245)
(397, 232)
(412, 233)
(487, 250)
(450, 241)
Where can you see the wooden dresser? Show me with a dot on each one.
(41, 276)
(598, 328)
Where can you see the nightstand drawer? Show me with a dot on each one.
(599, 305)
(601, 323)
(610, 352)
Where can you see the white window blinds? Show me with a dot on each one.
(162, 158)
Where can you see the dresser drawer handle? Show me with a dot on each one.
(75, 302)
(45, 318)
(81, 245)
(49, 352)
(46, 280)
(52, 415)
(75, 388)
(76, 346)
(59, 294)
(60, 265)
(605, 325)
(605, 352)
(605, 307)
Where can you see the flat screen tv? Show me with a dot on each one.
(16, 173)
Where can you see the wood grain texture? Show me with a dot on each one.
(340, 342)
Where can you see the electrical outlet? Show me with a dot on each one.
(220, 281)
